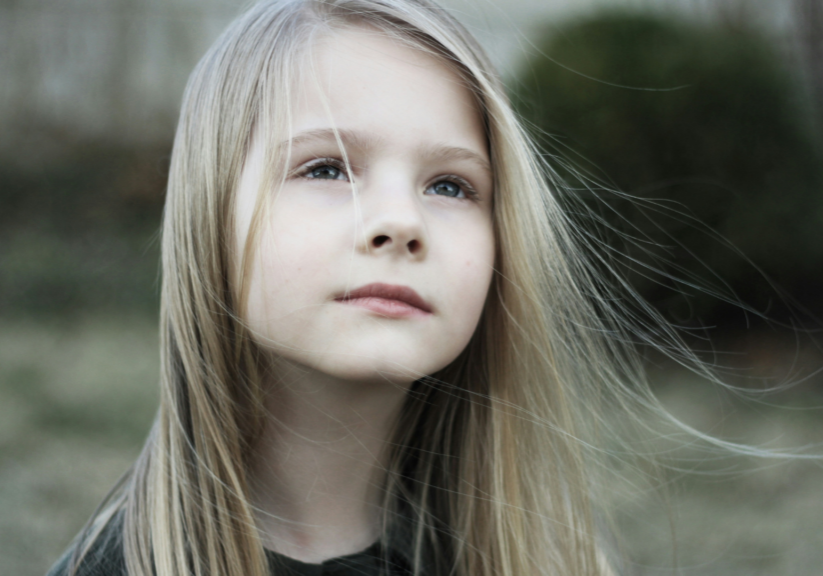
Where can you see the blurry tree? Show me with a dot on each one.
(809, 17)
(79, 226)
(699, 129)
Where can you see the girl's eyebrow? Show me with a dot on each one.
(349, 138)
(365, 141)
(455, 153)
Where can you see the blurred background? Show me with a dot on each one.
(688, 132)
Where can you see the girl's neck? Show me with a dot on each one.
(318, 467)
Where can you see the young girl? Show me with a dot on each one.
(382, 352)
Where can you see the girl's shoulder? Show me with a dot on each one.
(105, 557)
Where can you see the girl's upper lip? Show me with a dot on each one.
(389, 292)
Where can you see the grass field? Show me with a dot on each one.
(76, 399)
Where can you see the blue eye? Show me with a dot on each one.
(325, 172)
(447, 188)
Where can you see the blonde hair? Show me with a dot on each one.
(496, 457)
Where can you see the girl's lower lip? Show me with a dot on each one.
(386, 307)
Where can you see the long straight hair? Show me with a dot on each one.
(495, 458)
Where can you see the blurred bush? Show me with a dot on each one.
(78, 226)
(701, 130)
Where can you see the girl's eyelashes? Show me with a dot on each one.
(323, 169)
(452, 187)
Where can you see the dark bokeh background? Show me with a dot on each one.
(711, 135)
(78, 234)
(689, 134)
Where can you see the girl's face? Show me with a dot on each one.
(390, 284)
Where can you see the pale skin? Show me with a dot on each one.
(340, 368)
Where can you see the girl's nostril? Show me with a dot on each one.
(414, 246)
(380, 240)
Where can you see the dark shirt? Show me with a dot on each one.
(105, 558)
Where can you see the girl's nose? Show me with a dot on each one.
(394, 224)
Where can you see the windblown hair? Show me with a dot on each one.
(496, 457)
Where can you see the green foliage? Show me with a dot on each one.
(700, 126)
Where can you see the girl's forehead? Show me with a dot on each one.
(344, 70)
(360, 88)
(359, 51)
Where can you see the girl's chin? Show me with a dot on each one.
(381, 373)
(348, 367)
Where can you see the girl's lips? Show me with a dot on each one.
(387, 300)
